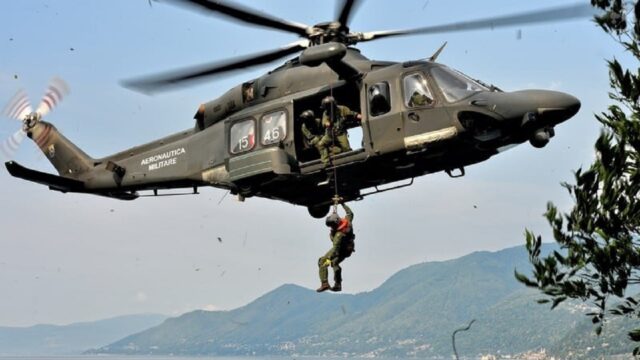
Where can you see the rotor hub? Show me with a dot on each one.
(331, 31)
(30, 120)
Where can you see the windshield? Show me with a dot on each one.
(455, 86)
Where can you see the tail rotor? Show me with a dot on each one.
(11, 145)
(19, 108)
(56, 91)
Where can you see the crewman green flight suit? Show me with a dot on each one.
(314, 140)
(336, 133)
(311, 138)
(418, 99)
(333, 257)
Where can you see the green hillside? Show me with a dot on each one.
(412, 314)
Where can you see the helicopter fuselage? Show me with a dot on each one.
(418, 117)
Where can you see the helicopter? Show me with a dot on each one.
(249, 140)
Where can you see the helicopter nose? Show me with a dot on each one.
(522, 115)
(555, 106)
(552, 107)
(536, 112)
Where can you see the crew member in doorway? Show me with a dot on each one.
(334, 118)
(312, 131)
(342, 238)
(310, 127)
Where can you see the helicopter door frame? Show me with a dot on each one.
(344, 95)
(426, 122)
(384, 130)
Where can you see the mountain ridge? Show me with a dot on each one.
(412, 313)
(71, 339)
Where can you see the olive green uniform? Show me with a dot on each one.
(418, 99)
(334, 257)
(335, 133)
(314, 140)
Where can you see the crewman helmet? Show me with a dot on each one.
(327, 103)
(307, 115)
(332, 220)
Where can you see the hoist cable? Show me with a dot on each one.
(333, 144)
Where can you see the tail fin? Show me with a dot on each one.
(67, 158)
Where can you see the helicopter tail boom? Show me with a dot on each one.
(66, 157)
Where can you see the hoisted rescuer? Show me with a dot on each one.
(342, 237)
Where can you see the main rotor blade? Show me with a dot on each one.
(346, 9)
(539, 16)
(247, 15)
(196, 73)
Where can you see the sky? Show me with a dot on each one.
(68, 257)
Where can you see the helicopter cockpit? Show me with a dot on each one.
(416, 91)
(454, 85)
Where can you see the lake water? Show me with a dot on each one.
(120, 357)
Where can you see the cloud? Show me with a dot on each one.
(141, 297)
(210, 307)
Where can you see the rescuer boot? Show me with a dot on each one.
(337, 287)
(323, 287)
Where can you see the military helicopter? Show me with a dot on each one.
(249, 139)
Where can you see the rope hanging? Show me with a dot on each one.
(336, 196)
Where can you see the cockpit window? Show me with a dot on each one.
(455, 86)
(416, 91)
(248, 92)
(379, 99)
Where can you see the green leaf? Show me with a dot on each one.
(634, 335)
(558, 301)
(525, 280)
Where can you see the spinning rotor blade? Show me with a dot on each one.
(18, 107)
(247, 15)
(198, 73)
(540, 16)
(345, 12)
(11, 145)
(55, 93)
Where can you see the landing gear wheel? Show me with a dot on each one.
(318, 211)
